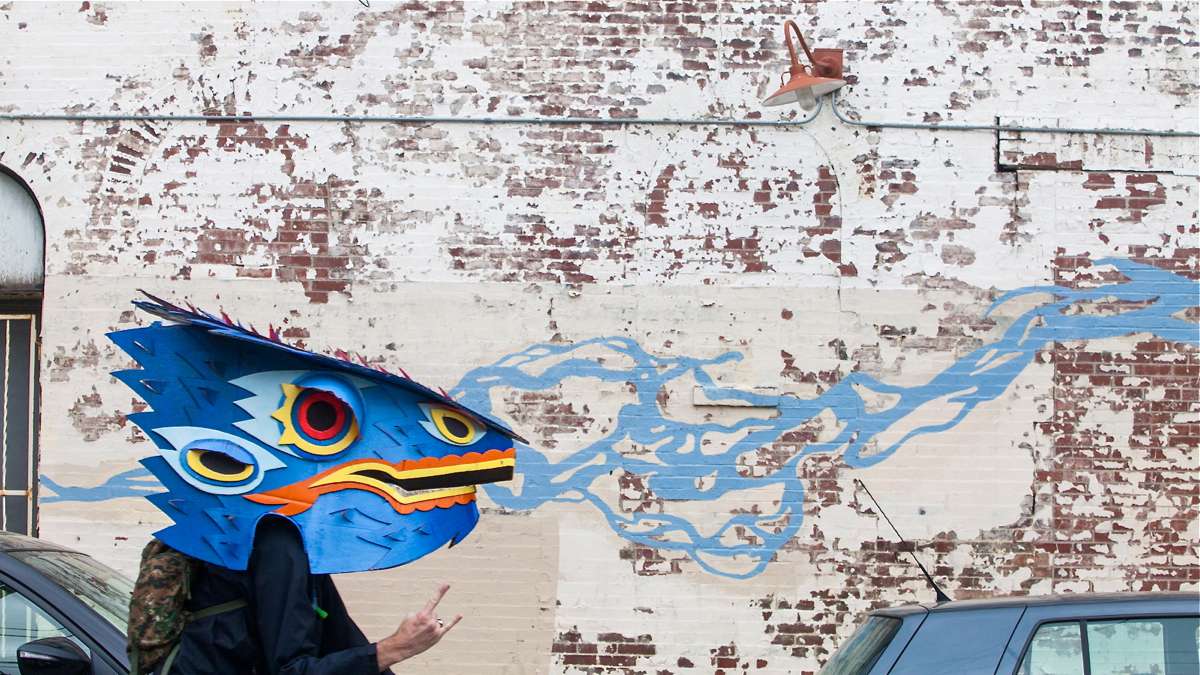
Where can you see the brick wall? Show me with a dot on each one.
(732, 323)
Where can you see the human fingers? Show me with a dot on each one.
(433, 602)
(444, 628)
(421, 623)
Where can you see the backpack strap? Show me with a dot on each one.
(170, 660)
(217, 609)
(194, 616)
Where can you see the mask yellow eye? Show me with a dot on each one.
(451, 426)
(218, 466)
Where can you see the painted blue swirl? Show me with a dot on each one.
(679, 472)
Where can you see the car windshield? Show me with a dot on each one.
(98, 586)
(859, 653)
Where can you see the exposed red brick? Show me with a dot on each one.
(605, 653)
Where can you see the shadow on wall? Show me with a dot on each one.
(674, 468)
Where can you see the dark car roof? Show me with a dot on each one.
(10, 542)
(1038, 600)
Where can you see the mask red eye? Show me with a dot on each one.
(322, 416)
(316, 421)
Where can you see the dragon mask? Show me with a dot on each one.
(374, 469)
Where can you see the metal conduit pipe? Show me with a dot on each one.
(411, 119)
(1005, 127)
(608, 121)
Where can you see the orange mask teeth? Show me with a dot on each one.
(455, 460)
(293, 500)
(410, 485)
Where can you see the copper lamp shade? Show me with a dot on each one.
(804, 87)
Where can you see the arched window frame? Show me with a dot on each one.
(20, 395)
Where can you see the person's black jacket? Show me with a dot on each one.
(280, 632)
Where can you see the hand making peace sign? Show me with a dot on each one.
(417, 633)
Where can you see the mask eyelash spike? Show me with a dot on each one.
(159, 301)
(225, 325)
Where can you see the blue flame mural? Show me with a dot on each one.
(676, 470)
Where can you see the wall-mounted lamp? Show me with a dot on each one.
(802, 86)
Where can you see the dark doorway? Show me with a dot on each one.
(19, 398)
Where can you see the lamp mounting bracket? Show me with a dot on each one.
(827, 63)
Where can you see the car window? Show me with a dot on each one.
(1056, 649)
(957, 642)
(1135, 646)
(103, 589)
(22, 621)
(1143, 646)
(859, 653)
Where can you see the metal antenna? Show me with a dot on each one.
(939, 593)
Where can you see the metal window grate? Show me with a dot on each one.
(18, 420)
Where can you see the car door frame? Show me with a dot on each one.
(1038, 615)
(101, 637)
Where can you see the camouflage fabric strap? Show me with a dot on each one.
(200, 614)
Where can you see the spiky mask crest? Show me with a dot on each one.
(373, 468)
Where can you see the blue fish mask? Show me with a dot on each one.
(374, 469)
